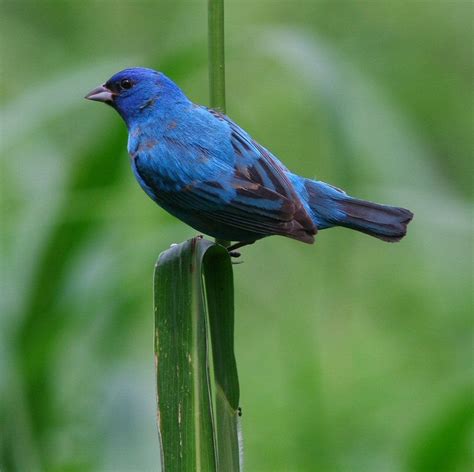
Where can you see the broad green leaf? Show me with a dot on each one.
(191, 439)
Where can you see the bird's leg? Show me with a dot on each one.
(233, 247)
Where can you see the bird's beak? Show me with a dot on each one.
(100, 94)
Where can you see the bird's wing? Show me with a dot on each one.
(250, 191)
(262, 181)
(249, 206)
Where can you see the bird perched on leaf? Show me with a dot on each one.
(201, 167)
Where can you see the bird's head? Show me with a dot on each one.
(137, 92)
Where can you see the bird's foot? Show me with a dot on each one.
(235, 255)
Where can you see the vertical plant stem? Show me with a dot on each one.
(217, 62)
(216, 54)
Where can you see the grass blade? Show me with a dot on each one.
(220, 304)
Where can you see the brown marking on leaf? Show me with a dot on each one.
(194, 241)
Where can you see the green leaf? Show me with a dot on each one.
(220, 303)
(444, 441)
(191, 438)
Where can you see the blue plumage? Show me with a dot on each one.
(204, 169)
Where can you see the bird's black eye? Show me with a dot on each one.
(126, 84)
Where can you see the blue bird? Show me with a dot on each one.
(204, 169)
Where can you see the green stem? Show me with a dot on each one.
(217, 62)
(216, 54)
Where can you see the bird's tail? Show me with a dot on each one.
(333, 207)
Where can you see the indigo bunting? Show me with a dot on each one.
(204, 169)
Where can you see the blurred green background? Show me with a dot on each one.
(354, 355)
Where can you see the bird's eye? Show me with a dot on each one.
(126, 84)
